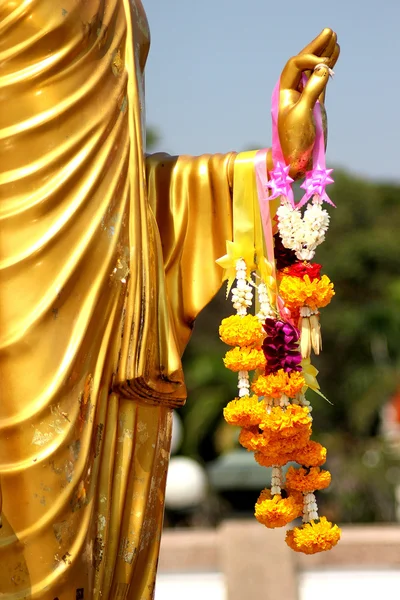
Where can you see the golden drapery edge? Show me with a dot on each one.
(84, 252)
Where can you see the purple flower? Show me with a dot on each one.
(281, 347)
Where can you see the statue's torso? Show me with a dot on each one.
(64, 271)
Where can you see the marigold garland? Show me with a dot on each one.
(313, 537)
(274, 443)
(287, 421)
(245, 412)
(241, 331)
(273, 450)
(280, 383)
(275, 511)
(299, 269)
(244, 359)
(252, 439)
(288, 444)
(297, 292)
(307, 480)
(313, 454)
(270, 459)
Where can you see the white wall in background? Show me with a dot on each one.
(326, 584)
(190, 586)
(350, 585)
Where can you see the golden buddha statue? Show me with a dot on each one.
(106, 260)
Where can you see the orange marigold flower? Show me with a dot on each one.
(287, 421)
(241, 331)
(310, 455)
(297, 292)
(307, 480)
(251, 439)
(278, 443)
(279, 451)
(275, 511)
(272, 459)
(245, 412)
(244, 359)
(313, 537)
(279, 383)
(280, 434)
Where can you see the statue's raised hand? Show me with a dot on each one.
(296, 102)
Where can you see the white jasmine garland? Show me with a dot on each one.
(243, 383)
(276, 480)
(310, 510)
(242, 299)
(284, 401)
(303, 234)
(242, 294)
(266, 310)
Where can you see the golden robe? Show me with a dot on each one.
(105, 261)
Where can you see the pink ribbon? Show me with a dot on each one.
(260, 163)
(319, 144)
(280, 183)
(284, 312)
(319, 177)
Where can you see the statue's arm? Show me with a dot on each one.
(191, 198)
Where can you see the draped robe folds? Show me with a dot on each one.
(102, 274)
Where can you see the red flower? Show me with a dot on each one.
(313, 270)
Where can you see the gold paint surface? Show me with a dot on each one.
(100, 282)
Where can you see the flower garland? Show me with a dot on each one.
(271, 353)
(271, 408)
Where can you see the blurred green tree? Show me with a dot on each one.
(153, 138)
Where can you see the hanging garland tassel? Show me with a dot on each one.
(271, 350)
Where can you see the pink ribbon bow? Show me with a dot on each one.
(319, 177)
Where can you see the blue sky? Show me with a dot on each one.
(213, 64)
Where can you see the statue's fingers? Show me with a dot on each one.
(331, 45)
(314, 87)
(320, 43)
(332, 62)
(334, 56)
(295, 66)
(331, 53)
